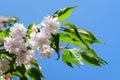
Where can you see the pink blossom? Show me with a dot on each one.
(50, 24)
(37, 39)
(12, 45)
(46, 51)
(18, 31)
(25, 57)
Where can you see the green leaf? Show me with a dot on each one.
(22, 71)
(4, 33)
(30, 28)
(91, 60)
(76, 56)
(93, 53)
(12, 68)
(34, 74)
(1, 42)
(64, 13)
(35, 64)
(78, 36)
(23, 78)
(71, 56)
(89, 37)
(12, 20)
(77, 33)
(55, 43)
(18, 71)
(70, 38)
(73, 35)
(29, 31)
(3, 54)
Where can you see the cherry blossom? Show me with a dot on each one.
(25, 57)
(50, 24)
(18, 31)
(46, 51)
(40, 40)
(12, 45)
(15, 45)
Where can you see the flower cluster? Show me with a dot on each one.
(18, 45)
(39, 40)
(15, 45)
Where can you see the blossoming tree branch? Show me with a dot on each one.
(18, 44)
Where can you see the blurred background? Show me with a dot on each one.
(102, 17)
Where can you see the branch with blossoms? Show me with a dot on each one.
(53, 35)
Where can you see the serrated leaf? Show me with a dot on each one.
(71, 56)
(76, 56)
(93, 53)
(91, 60)
(64, 13)
(67, 58)
(89, 37)
(34, 74)
(101, 61)
(85, 37)
(73, 36)
(71, 39)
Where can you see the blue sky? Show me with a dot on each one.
(99, 16)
